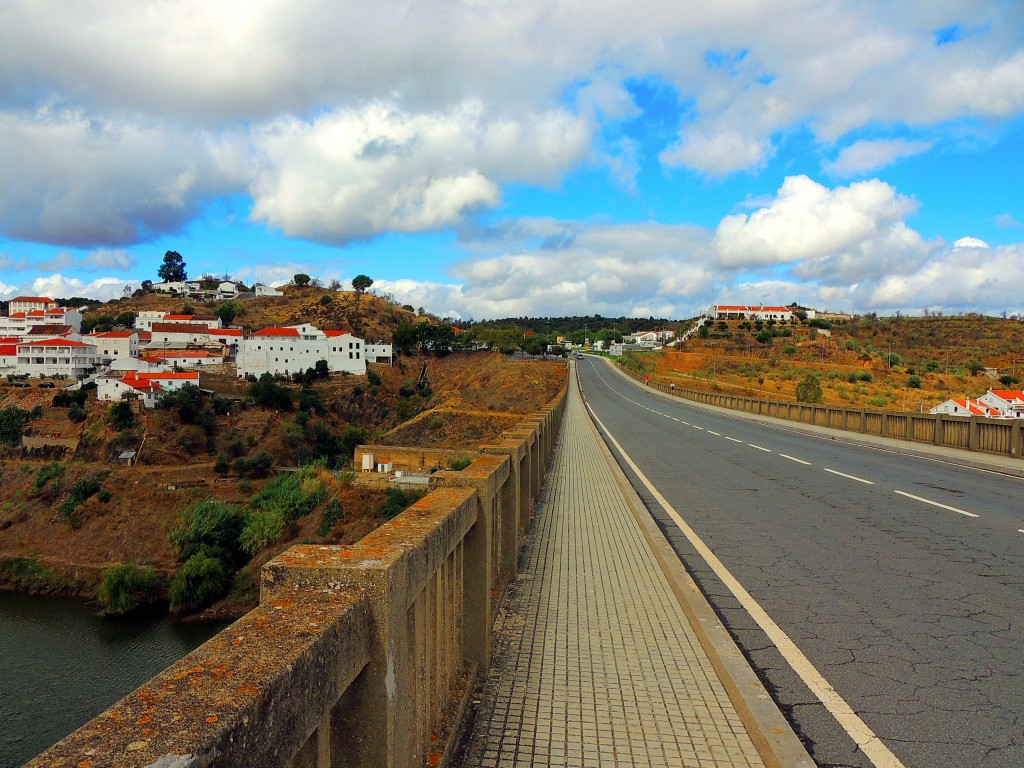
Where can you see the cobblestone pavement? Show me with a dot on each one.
(595, 663)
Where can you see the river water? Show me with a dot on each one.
(60, 666)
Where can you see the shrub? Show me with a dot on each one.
(208, 526)
(120, 415)
(789, 350)
(396, 502)
(809, 390)
(257, 466)
(332, 514)
(373, 378)
(460, 464)
(866, 376)
(914, 382)
(262, 527)
(200, 581)
(12, 424)
(52, 471)
(127, 587)
(80, 491)
(77, 414)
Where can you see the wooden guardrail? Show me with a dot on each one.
(360, 655)
(973, 433)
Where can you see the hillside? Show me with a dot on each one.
(64, 518)
(367, 316)
(900, 363)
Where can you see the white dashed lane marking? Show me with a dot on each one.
(794, 458)
(850, 477)
(936, 504)
(735, 440)
(766, 450)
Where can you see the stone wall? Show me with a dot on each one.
(360, 655)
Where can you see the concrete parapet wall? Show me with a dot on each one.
(411, 458)
(973, 433)
(360, 655)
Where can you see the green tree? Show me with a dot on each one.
(12, 423)
(127, 587)
(173, 268)
(228, 311)
(120, 415)
(809, 390)
(301, 279)
(361, 283)
(200, 581)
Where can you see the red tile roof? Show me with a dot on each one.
(46, 299)
(55, 343)
(277, 332)
(334, 334)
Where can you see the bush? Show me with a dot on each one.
(48, 472)
(77, 414)
(126, 588)
(332, 514)
(257, 466)
(200, 581)
(789, 350)
(209, 526)
(809, 390)
(373, 378)
(80, 492)
(460, 464)
(120, 415)
(262, 527)
(12, 424)
(914, 382)
(396, 502)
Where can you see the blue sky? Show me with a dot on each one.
(528, 158)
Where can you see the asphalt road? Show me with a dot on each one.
(900, 579)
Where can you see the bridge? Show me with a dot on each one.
(499, 621)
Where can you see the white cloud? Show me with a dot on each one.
(58, 286)
(581, 268)
(107, 259)
(955, 279)
(970, 242)
(85, 180)
(1006, 221)
(867, 156)
(836, 233)
(718, 152)
(353, 174)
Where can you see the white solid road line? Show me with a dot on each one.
(794, 458)
(937, 504)
(872, 747)
(766, 450)
(851, 477)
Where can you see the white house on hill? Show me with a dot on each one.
(290, 350)
(57, 357)
(749, 312)
(148, 387)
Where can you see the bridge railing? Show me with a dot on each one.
(360, 655)
(973, 433)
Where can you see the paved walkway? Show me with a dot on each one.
(595, 663)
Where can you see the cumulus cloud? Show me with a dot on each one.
(579, 267)
(353, 174)
(836, 234)
(867, 156)
(955, 279)
(58, 286)
(85, 180)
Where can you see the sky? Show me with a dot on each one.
(485, 159)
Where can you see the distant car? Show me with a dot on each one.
(18, 384)
(45, 385)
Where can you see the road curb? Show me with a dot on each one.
(772, 735)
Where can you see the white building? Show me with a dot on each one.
(114, 345)
(1009, 402)
(148, 387)
(379, 353)
(144, 320)
(18, 322)
(965, 407)
(57, 357)
(294, 349)
(266, 290)
(183, 358)
(746, 312)
(178, 335)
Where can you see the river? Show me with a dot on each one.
(60, 666)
